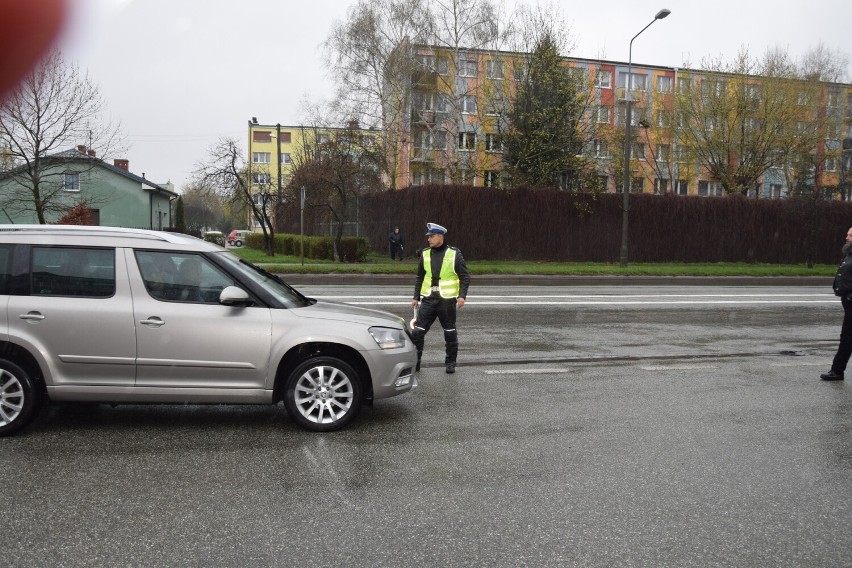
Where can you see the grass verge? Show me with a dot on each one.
(379, 264)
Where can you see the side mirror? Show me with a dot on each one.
(233, 296)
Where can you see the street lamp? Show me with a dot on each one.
(628, 93)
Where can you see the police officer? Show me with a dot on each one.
(843, 288)
(441, 287)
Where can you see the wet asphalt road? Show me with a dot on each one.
(587, 426)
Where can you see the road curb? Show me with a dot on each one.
(338, 279)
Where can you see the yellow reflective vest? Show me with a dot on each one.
(449, 284)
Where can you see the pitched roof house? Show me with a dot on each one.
(116, 196)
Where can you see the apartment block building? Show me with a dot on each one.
(450, 131)
(274, 150)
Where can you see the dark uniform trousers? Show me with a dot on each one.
(845, 348)
(444, 309)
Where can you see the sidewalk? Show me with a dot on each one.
(335, 279)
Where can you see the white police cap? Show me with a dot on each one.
(435, 229)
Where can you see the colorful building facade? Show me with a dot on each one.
(458, 101)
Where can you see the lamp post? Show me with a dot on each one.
(627, 146)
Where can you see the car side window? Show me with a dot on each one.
(5, 268)
(181, 277)
(70, 271)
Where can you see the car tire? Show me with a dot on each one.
(238, 243)
(323, 394)
(19, 397)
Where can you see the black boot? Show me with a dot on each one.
(832, 375)
(450, 360)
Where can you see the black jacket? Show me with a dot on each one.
(437, 259)
(843, 278)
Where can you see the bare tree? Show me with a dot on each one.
(335, 168)
(203, 207)
(368, 57)
(226, 173)
(739, 119)
(56, 107)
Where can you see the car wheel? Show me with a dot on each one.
(19, 397)
(323, 394)
(238, 243)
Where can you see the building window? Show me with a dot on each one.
(285, 158)
(285, 138)
(637, 185)
(664, 84)
(427, 176)
(494, 69)
(638, 151)
(261, 157)
(602, 115)
(664, 152)
(491, 179)
(433, 64)
(423, 101)
(468, 104)
(712, 88)
(774, 191)
(467, 140)
(261, 179)
(831, 164)
(261, 136)
(661, 119)
(635, 115)
(832, 131)
(710, 189)
(681, 187)
(71, 181)
(661, 186)
(603, 79)
(683, 85)
(600, 149)
(493, 143)
(467, 68)
(323, 138)
(681, 155)
(638, 81)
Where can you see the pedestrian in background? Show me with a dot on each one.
(843, 288)
(440, 288)
(395, 241)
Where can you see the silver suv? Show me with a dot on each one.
(112, 315)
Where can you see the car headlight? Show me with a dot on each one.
(388, 338)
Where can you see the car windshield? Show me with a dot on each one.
(283, 292)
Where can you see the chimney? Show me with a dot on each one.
(81, 148)
(123, 164)
(91, 153)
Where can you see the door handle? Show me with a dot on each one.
(31, 316)
(152, 322)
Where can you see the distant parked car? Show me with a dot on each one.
(237, 238)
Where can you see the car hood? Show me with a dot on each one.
(339, 311)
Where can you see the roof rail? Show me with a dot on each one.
(99, 230)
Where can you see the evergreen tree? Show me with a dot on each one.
(180, 222)
(544, 139)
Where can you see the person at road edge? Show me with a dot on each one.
(843, 288)
(440, 288)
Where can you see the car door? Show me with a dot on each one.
(184, 337)
(76, 313)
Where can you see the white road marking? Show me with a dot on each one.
(802, 364)
(677, 367)
(526, 371)
(606, 299)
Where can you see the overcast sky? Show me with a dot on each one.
(178, 74)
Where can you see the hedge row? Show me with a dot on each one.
(353, 249)
(551, 225)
